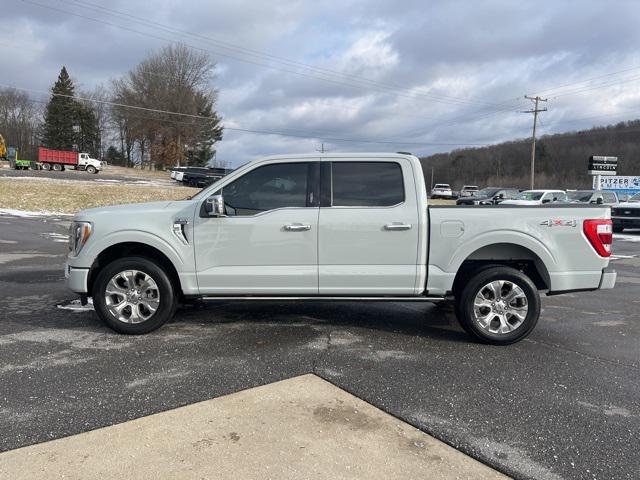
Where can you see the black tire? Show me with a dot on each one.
(57, 167)
(46, 166)
(465, 310)
(167, 295)
(618, 228)
(91, 169)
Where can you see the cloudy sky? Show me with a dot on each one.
(422, 76)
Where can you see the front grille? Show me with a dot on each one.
(625, 212)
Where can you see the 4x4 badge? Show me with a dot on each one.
(560, 223)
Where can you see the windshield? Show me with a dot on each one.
(469, 187)
(635, 198)
(530, 196)
(441, 185)
(579, 196)
(487, 192)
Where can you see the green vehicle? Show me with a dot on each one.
(15, 162)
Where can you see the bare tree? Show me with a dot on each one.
(175, 79)
(20, 119)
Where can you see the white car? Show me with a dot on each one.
(468, 190)
(537, 197)
(442, 190)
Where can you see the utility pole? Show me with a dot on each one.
(535, 112)
(321, 149)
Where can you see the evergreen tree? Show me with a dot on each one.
(209, 132)
(60, 115)
(87, 131)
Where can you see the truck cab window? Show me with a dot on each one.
(267, 188)
(367, 184)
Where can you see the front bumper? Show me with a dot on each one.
(76, 279)
(608, 279)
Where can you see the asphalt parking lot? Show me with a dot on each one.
(564, 403)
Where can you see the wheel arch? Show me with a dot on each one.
(504, 254)
(133, 249)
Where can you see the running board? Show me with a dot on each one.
(332, 299)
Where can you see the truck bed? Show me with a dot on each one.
(550, 236)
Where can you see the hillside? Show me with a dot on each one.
(561, 159)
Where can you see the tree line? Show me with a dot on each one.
(127, 122)
(561, 159)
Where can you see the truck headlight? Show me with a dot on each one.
(79, 233)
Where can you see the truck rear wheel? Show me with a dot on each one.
(57, 167)
(498, 305)
(134, 295)
(46, 166)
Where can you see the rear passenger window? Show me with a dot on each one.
(367, 184)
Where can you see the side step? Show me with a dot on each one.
(332, 299)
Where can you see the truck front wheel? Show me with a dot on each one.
(498, 305)
(91, 169)
(134, 295)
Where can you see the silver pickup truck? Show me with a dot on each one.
(352, 227)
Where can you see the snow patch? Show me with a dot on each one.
(29, 214)
(56, 237)
(75, 306)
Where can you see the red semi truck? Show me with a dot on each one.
(58, 160)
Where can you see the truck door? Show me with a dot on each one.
(368, 231)
(268, 242)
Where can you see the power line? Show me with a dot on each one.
(377, 86)
(559, 87)
(238, 129)
(260, 54)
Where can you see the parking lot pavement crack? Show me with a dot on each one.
(582, 354)
(325, 341)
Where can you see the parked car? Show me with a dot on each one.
(626, 214)
(489, 196)
(441, 190)
(599, 197)
(338, 227)
(468, 191)
(537, 197)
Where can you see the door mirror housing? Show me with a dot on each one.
(214, 206)
(599, 201)
(546, 200)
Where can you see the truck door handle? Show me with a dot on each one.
(297, 227)
(397, 226)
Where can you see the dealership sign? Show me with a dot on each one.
(620, 184)
(601, 165)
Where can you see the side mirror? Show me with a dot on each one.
(599, 201)
(214, 206)
(546, 200)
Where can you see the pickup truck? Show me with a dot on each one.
(337, 227)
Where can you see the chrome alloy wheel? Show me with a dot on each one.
(132, 296)
(500, 307)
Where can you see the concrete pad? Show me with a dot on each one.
(299, 428)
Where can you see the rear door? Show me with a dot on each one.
(368, 227)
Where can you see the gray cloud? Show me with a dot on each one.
(454, 61)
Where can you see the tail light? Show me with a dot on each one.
(600, 234)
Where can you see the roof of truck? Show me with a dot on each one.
(338, 155)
